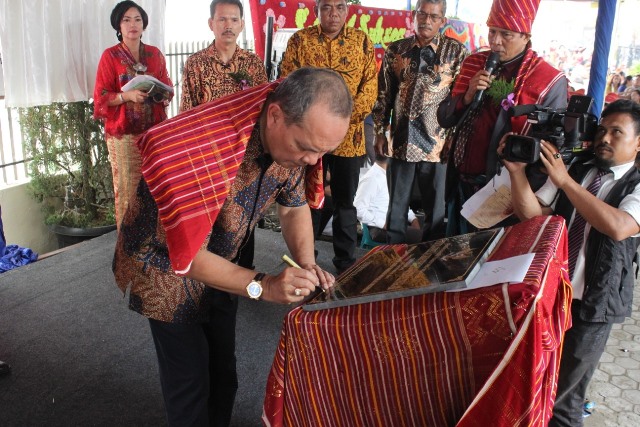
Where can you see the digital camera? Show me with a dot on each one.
(571, 130)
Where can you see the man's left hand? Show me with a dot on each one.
(381, 145)
(326, 279)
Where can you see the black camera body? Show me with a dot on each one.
(571, 130)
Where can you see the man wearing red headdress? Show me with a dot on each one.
(521, 77)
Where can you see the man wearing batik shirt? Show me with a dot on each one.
(223, 67)
(219, 70)
(521, 78)
(350, 52)
(416, 75)
(210, 174)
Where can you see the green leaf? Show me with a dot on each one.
(68, 163)
(500, 89)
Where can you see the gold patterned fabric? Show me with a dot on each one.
(126, 161)
(352, 55)
(207, 77)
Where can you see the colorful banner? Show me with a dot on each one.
(382, 25)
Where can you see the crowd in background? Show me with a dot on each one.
(576, 64)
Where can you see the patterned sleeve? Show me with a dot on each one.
(290, 60)
(163, 72)
(368, 89)
(257, 71)
(188, 90)
(293, 193)
(105, 89)
(387, 91)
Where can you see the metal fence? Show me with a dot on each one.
(12, 161)
(176, 55)
(12, 166)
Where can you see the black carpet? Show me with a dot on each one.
(80, 357)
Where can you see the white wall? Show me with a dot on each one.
(23, 221)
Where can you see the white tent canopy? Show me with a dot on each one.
(51, 48)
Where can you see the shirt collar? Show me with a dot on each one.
(344, 31)
(619, 170)
(216, 56)
(434, 43)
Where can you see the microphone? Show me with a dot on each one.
(490, 66)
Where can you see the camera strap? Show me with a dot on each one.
(501, 127)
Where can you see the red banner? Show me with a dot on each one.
(382, 25)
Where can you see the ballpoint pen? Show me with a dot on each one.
(294, 264)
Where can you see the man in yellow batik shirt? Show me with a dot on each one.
(350, 52)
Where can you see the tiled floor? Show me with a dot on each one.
(615, 387)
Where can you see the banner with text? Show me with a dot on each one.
(382, 25)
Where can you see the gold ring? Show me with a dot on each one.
(556, 156)
(297, 292)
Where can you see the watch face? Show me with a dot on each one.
(254, 289)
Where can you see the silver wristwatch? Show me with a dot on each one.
(254, 288)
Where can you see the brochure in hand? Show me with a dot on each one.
(157, 90)
(396, 271)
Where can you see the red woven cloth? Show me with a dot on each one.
(481, 357)
(535, 79)
(190, 161)
(512, 15)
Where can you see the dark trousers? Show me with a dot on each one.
(380, 235)
(343, 183)
(583, 345)
(430, 178)
(197, 366)
(464, 189)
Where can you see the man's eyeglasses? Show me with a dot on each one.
(428, 16)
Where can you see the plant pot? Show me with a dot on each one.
(68, 236)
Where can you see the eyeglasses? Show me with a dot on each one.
(428, 16)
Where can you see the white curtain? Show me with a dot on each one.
(51, 48)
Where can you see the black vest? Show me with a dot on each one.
(609, 273)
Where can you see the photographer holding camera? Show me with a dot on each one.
(489, 83)
(600, 200)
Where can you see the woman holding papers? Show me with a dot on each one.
(128, 113)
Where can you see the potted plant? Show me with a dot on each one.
(69, 168)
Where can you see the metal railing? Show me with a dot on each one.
(176, 55)
(13, 169)
(12, 166)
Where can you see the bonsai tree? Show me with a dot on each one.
(68, 164)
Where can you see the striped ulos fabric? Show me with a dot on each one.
(481, 357)
(190, 161)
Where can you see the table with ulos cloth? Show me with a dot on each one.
(481, 357)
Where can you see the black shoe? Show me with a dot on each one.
(5, 369)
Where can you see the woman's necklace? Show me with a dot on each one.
(139, 67)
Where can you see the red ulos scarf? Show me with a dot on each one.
(534, 80)
(190, 162)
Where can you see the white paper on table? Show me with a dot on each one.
(491, 204)
(512, 270)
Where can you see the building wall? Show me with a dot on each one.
(23, 221)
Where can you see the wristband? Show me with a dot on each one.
(121, 97)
